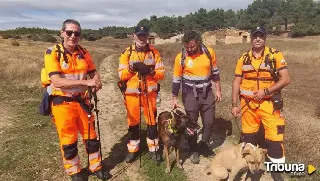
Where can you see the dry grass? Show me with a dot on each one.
(21, 66)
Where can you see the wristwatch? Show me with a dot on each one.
(234, 104)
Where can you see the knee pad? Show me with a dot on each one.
(275, 149)
(92, 145)
(152, 132)
(249, 138)
(70, 151)
(133, 132)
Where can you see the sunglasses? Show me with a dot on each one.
(76, 33)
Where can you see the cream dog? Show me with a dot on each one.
(237, 158)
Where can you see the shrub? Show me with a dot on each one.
(15, 43)
(120, 36)
(6, 36)
(48, 38)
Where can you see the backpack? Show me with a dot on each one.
(205, 49)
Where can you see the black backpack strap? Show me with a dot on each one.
(183, 59)
(210, 58)
(63, 54)
(130, 51)
(59, 52)
(272, 64)
(83, 50)
(246, 58)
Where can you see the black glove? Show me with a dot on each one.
(142, 68)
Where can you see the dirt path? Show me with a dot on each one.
(198, 171)
(113, 124)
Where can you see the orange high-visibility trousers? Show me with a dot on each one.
(255, 113)
(70, 118)
(133, 114)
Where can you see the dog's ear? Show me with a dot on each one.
(264, 151)
(246, 150)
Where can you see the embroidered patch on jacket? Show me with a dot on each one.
(65, 65)
(190, 63)
(48, 51)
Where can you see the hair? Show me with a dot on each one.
(70, 21)
(191, 35)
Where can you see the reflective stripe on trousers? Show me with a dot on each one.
(153, 145)
(95, 161)
(133, 146)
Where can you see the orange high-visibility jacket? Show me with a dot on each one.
(74, 66)
(256, 72)
(150, 56)
(195, 69)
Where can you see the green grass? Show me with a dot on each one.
(156, 172)
(30, 145)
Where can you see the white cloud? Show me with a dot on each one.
(99, 13)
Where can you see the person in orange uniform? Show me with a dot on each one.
(141, 61)
(260, 74)
(67, 65)
(196, 69)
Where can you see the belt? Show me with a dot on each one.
(259, 78)
(59, 99)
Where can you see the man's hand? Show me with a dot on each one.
(174, 102)
(94, 83)
(218, 96)
(258, 95)
(235, 111)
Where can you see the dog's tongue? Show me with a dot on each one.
(190, 132)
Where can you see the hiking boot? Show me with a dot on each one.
(276, 176)
(195, 158)
(205, 150)
(102, 175)
(130, 157)
(77, 177)
(155, 156)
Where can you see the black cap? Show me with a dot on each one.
(140, 30)
(260, 29)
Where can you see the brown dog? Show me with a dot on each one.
(237, 158)
(170, 129)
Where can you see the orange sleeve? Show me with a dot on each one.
(215, 70)
(123, 70)
(177, 75)
(238, 71)
(280, 61)
(51, 63)
(159, 68)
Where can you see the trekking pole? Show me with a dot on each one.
(89, 118)
(95, 98)
(149, 121)
(139, 89)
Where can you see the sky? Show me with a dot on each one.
(95, 14)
